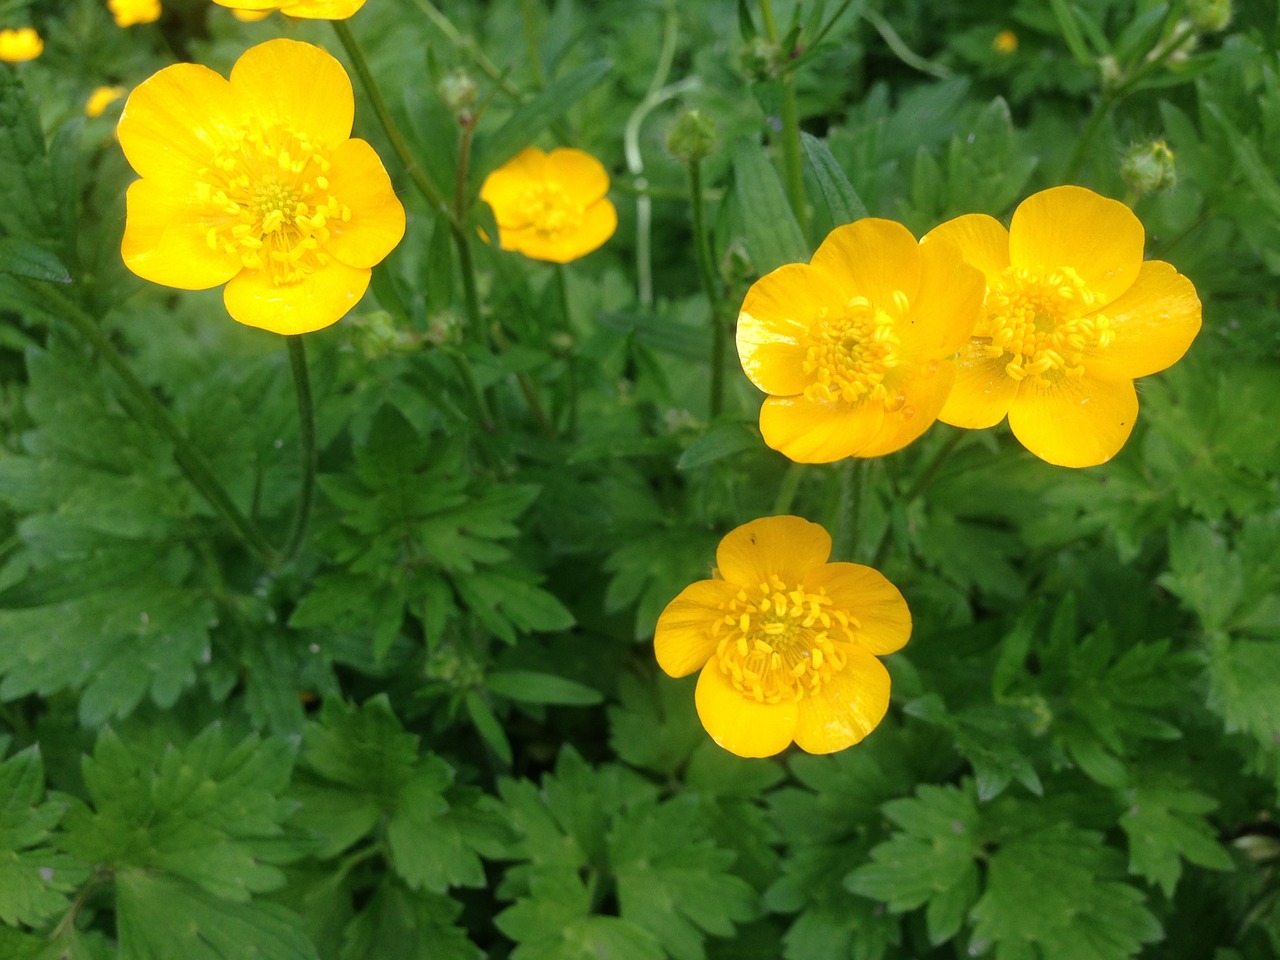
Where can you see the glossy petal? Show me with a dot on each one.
(982, 393)
(298, 86)
(165, 240)
(864, 593)
(504, 188)
(583, 177)
(946, 306)
(873, 257)
(852, 704)
(982, 239)
(249, 4)
(359, 180)
(1080, 422)
(786, 546)
(173, 120)
(1073, 227)
(811, 431)
(322, 298)
(925, 390)
(321, 9)
(683, 640)
(1154, 322)
(774, 323)
(740, 725)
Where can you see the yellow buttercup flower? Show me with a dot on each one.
(20, 45)
(854, 348)
(551, 206)
(303, 9)
(786, 642)
(255, 182)
(1005, 42)
(101, 98)
(131, 12)
(1072, 316)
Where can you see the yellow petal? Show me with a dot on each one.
(320, 299)
(812, 431)
(173, 119)
(982, 392)
(924, 391)
(884, 622)
(1154, 322)
(504, 188)
(946, 306)
(599, 221)
(249, 4)
(359, 180)
(774, 324)
(321, 9)
(982, 240)
(849, 706)
(873, 258)
(1078, 422)
(582, 176)
(788, 547)
(740, 725)
(298, 86)
(682, 641)
(1073, 227)
(165, 240)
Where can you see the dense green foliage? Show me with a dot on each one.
(437, 731)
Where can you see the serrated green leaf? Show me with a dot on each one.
(773, 236)
(1165, 825)
(400, 925)
(29, 208)
(365, 748)
(34, 879)
(530, 686)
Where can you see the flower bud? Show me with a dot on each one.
(1149, 167)
(761, 59)
(1209, 16)
(693, 137)
(457, 90)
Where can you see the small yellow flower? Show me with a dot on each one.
(101, 98)
(551, 206)
(1072, 316)
(250, 16)
(131, 12)
(786, 642)
(303, 9)
(255, 182)
(18, 46)
(1005, 42)
(854, 347)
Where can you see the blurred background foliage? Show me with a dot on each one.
(438, 731)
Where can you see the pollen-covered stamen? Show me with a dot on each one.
(851, 349)
(550, 210)
(1043, 323)
(778, 643)
(268, 199)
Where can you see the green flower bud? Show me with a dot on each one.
(1149, 167)
(1209, 16)
(693, 137)
(457, 90)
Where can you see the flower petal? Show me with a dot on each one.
(321, 9)
(599, 221)
(359, 180)
(504, 188)
(774, 324)
(740, 725)
(812, 431)
(872, 258)
(982, 239)
(947, 305)
(299, 86)
(172, 121)
(1154, 322)
(865, 593)
(1078, 422)
(683, 641)
(320, 299)
(850, 705)
(1099, 238)
(982, 392)
(786, 546)
(924, 390)
(581, 175)
(165, 240)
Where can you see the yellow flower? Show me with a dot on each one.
(854, 347)
(250, 16)
(786, 642)
(551, 206)
(17, 46)
(1005, 42)
(130, 12)
(304, 9)
(1072, 316)
(255, 183)
(101, 98)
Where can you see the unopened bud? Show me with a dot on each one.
(457, 90)
(1149, 167)
(761, 59)
(693, 137)
(1209, 16)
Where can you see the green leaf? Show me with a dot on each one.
(773, 236)
(34, 879)
(28, 208)
(718, 441)
(488, 727)
(1066, 14)
(365, 748)
(529, 686)
(842, 199)
(654, 726)
(1165, 825)
(399, 925)
(1256, 170)
(22, 258)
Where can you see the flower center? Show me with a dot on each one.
(777, 643)
(549, 209)
(850, 351)
(269, 193)
(1043, 322)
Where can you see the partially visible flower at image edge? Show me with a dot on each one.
(1072, 316)
(128, 13)
(855, 347)
(20, 45)
(101, 98)
(255, 182)
(551, 206)
(303, 9)
(785, 641)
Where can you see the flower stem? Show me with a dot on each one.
(571, 361)
(792, 167)
(1085, 142)
(529, 15)
(188, 457)
(706, 267)
(787, 489)
(307, 434)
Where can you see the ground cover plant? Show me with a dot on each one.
(639, 480)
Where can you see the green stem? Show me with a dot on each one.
(1085, 143)
(792, 164)
(562, 282)
(529, 14)
(189, 458)
(468, 46)
(719, 327)
(787, 489)
(930, 472)
(307, 435)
